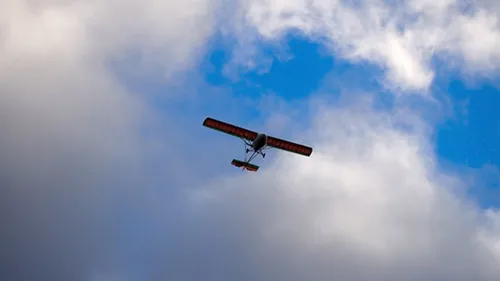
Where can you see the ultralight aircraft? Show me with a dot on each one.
(255, 143)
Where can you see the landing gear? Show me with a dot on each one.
(258, 152)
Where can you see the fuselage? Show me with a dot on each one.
(259, 142)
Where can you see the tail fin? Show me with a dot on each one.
(247, 166)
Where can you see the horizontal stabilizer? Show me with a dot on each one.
(248, 166)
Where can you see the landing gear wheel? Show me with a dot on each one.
(263, 155)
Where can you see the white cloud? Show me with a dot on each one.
(400, 37)
(369, 203)
(168, 34)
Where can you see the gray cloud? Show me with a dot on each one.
(74, 155)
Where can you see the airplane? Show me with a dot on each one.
(255, 143)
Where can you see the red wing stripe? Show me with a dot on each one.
(289, 146)
(229, 129)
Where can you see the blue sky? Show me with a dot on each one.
(466, 136)
(472, 137)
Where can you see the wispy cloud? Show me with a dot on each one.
(401, 38)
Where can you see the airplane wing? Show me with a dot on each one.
(229, 129)
(289, 146)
